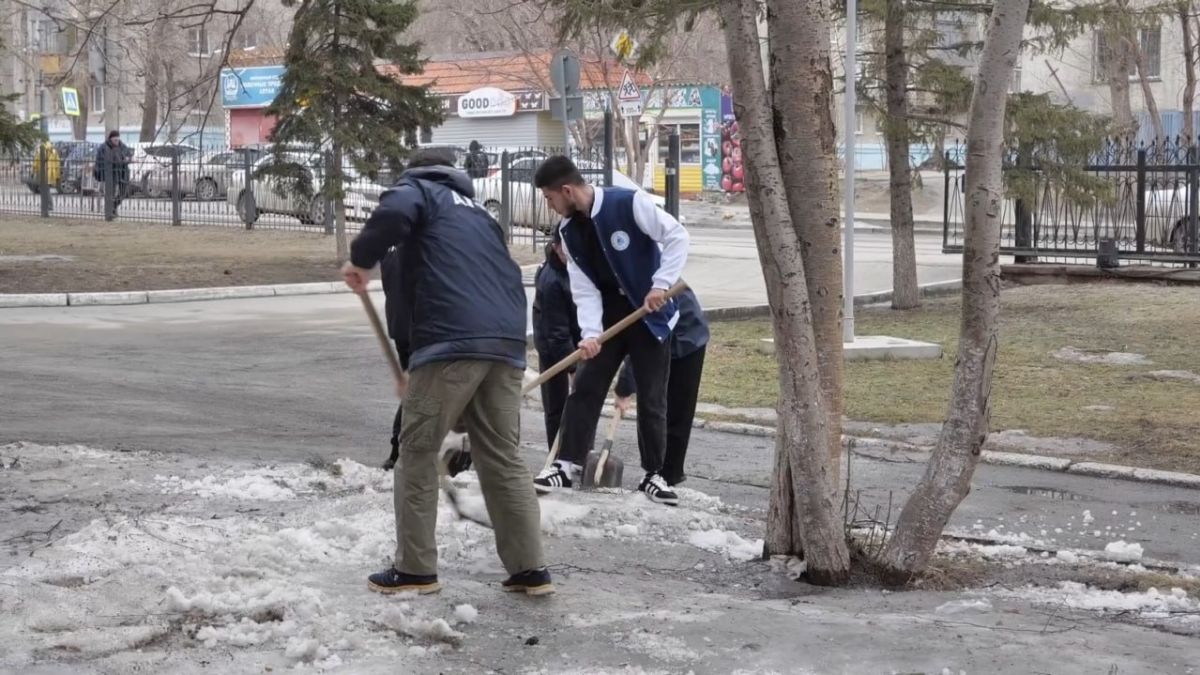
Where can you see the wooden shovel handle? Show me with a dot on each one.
(388, 353)
(608, 443)
(577, 355)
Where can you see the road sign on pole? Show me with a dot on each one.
(629, 96)
(70, 101)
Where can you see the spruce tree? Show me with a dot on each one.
(333, 95)
(16, 137)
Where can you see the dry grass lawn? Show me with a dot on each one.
(1155, 423)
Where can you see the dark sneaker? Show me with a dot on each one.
(395, 581)
(552, 479)
(530, 582)
(658, 491)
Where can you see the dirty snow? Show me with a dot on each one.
(466, 614)
(965, 606)
(1077, 355)
(729, 543)
(1122, 551)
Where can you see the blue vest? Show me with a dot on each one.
(633, 256)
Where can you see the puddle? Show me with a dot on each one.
(1181, 508)
(1048, 493)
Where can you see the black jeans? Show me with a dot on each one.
(683, 388)
(651, 362)
(554, 397)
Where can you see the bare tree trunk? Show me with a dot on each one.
(947, 478)
(803, 439)
(806, 140)
(1139, 57)
(1189, 70)
(336, 178)
(905, 294)
(1119, 65)
(150, 97)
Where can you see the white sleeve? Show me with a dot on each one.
(589, 307)
(664, 229)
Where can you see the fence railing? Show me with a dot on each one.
(228, 188)
(1146, 207)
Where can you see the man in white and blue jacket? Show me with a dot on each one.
(623, 252)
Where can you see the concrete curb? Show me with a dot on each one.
(930, 290)
(13, 300)
(912, 453)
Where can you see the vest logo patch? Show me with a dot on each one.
(620, 240)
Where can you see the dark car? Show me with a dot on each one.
(77, 167)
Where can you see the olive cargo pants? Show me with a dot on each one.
(486, 396)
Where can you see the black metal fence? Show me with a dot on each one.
(178, 185)
(1145, 207)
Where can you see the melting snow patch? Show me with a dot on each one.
(1107, 358)
(729, 543)
(466, 614)
(1123, 552)
(965, 606)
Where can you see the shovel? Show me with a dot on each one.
(602, 469)
(449, 456)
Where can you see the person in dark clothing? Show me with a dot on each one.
(477, 163)
(689, 342)
(623, 252)
(466, 303)
(115, 153)
(555, 330)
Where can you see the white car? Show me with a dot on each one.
(269, 196)
(1167, 217)
(148, 157)
(529, 208)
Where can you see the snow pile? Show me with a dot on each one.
(466, 614)
(1087, 517)
(1151, 603)
(248, 487)
(966, 606)
(281, 483)
(402, 620)
(729, 543)
(1123, 552)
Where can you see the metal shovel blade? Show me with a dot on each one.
(603, 469)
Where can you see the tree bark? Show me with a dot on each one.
(150, 98)
(1139, 59)
(905, 294)
(806, 141)
(947, 478)
(1189, 70)
(1118, 71)
(802, 442)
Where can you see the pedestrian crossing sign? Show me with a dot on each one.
(70, 101)
(629, 90)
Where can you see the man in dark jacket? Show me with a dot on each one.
(689, 342)
(555, 330)
(466, 302)
(623, 252)
(112, 161)
(477, 164)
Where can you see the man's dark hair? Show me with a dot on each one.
(556, 172)
(431, 157)
(114, 134)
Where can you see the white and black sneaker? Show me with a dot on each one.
(658, 491)
(552, 479)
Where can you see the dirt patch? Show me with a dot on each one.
(60, 255)
(1143, 420)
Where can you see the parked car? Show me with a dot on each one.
(206, 177)
(1167, 217)
(148, 157)
(77, 168)
(268, 194)
(529, 208)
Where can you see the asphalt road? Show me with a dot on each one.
(292, 378)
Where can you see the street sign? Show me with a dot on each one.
(564, 73)
(574, 108)
(70, 101)
(629, 90)
(623, 45)
(631, 108)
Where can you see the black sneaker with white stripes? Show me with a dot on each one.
(658, 491)
(552, 479)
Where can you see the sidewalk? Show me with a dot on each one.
(733, 216)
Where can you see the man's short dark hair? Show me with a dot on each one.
(556, 172)
(114, 134)
(431, 157)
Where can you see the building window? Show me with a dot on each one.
(50, 39)
(1150, 44)
(859, 121)
(198, 42)
(97, 98)
(689, 142)
(246, 38)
